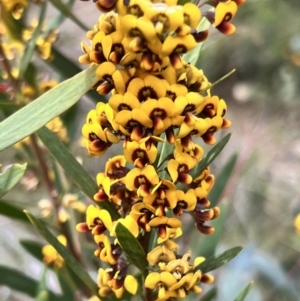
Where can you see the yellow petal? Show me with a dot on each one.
(131, 284)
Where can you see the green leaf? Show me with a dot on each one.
(30, 76)
(222, 180)
(67, 68)
(209, 242)
(32, 247)
(17, 281)
(12, 211)
(42, 293)
(10, 177)
(64, 252)
(67, 285)
(72, 167)
(210, 295)
(51, 104)
(243, 294)
(30, 47)
(215, 261)
(66, 11)
(20, 282)
(210, 156)
(166, 150)
(192, 56)
(131, 247)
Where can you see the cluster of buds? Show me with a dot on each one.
(157, 98)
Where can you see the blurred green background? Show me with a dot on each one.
(262, 196)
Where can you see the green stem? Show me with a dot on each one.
(145, 245)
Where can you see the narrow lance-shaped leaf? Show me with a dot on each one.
(20, 282)
(67, 68)
(243, 294)
(42, 293)
(10, 177)
(210, 295)
(29, 50)
(32, 247)
(166, 149)
(66, 11)
(51, 104)
(210, 156)
(12, 211)
(131, 247)
(222, 180)
(72, 167)
(215, 261)
(64, 252)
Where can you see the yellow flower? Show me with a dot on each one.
(174, 46)
(51, 256)
(193, 126)
(104, 184)
(179, 168)
(142, 180)
(186, 201)
(134, 123)
(208, 107)
(188, 103)
(96, 139)
(103, 283)
(168, 201)
(187, 284)
(142, 213)
(106, 252)
(167, 227)
(140, 154)
(160, 112)
(160, 281)
(160, 254)
(165, 18)
(115, 167)
(120, 102)
(97, 221)
(139, 28)
(149, 87)
(217, 122)
(111, 78)
(113, 49)
(222, 16)
(192, 15)
(120, 284)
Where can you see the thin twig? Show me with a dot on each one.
(145, 245)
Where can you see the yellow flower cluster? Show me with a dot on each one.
(175, 278)
(157, 98)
